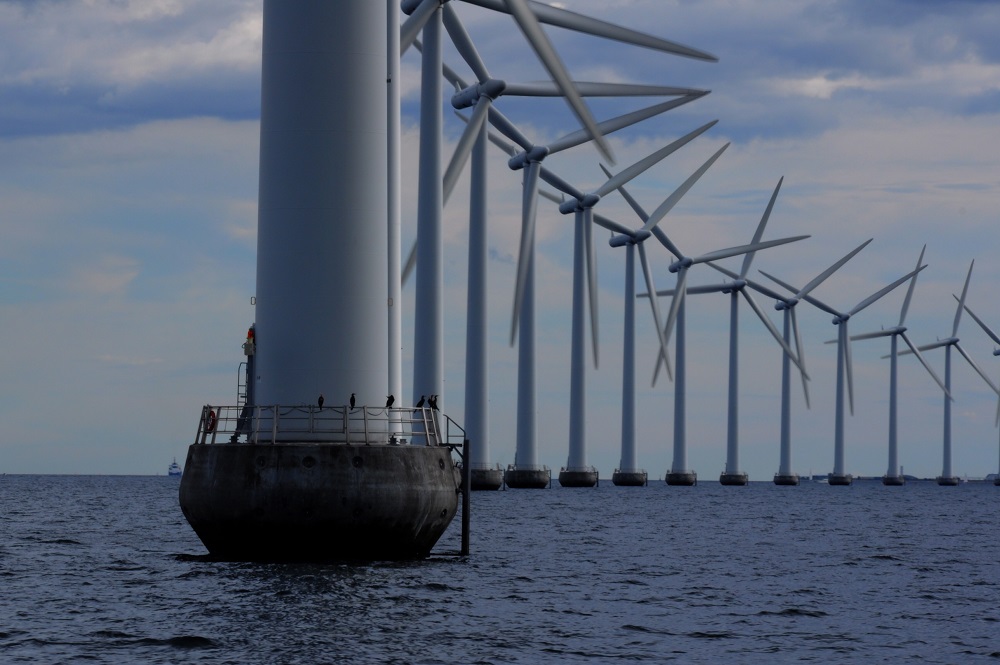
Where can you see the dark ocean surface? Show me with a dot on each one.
(102, 569)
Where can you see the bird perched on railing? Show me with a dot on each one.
(320, 401)
(432, 402)
(389, 401)
(420, 404)
(352, 400)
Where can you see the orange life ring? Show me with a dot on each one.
(210, 421)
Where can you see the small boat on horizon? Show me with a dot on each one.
(174, 469)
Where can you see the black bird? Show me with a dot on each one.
(389, 400)
(420, 404)
(352, 400)
(320, 401)
(433, 402)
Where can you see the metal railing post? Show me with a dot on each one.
(466, 490)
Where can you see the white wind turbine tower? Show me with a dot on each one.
(525, 472)
(679, 474)
(426, 16)
(480, 96)
(996, 352)
(844, 365)
(732, 475)
(788, 305)
(893, 475)
(947, 477)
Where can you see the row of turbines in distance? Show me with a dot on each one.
(476, 102)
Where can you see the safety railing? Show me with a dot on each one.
(342, 425)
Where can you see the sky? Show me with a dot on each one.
(129, 131)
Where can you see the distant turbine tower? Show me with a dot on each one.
(679, 474)
(844, 365)
(947, 477)
(996, 352)
(732, 474)
(893, 475)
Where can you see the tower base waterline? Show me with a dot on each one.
(947, 481)
(786, 479)
(733, 479)
(340, 492)
(893, 481)
(487, 480)
(587, 477)
(681, 478)
(841, 479)
(528, 478)
(630, 478)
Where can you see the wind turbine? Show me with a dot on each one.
(996, 352)
(679, 474)
(844, 365)
(732, 475)
(427, 16)
(893, 475)
(947, 478)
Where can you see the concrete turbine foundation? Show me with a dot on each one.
(586, 477)
(630, 478)
(733, 479)
(786, 479)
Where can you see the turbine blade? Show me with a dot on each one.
(628, 198)
(977, 368)
(661, 235)
(742, 249)
(463, 43)
(800, 351)
(759, 233)
(464, 146)
(923, 362)
(655, 305)
(756, 286)
(818, 279)
(588, 237)
(528, 22)
(524, 257)
(812, 301)
(672, 200)
(961, 301)
(982, 325)
(566, 19)
(679, 293)
(873, 335)
(560, 184)
(411, 263)
(612, 225)
(597, 89)
(413, 25)
(645, 163)
(580, 137)
(770, 327)
(507, 128)
(909, 291)
(883, 291)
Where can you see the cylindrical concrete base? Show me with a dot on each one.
(735, 479)
(996, 481)
(786, 479)
(487, 479)
(630, 478)
(947, 481)
(315, 502)
(893, 481)
(682, 478)
(537, 479)
(840, 479)
(581, 478)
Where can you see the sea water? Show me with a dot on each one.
(98, 569)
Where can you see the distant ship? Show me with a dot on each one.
(174, 469)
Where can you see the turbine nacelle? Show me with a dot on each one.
(683, 263)
(578, 205)
(738, 285)
(840, 318)
(467, 98)
(520, 160)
